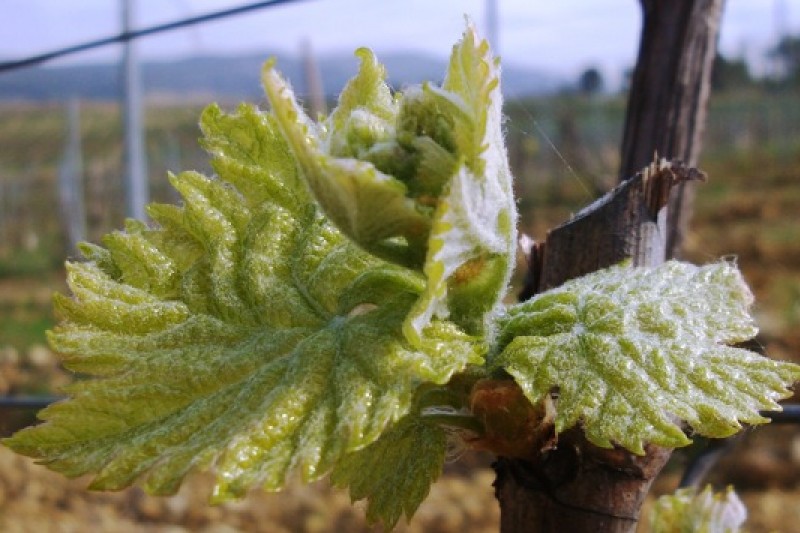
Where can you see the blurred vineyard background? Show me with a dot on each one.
(564, 150)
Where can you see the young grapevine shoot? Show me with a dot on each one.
(330, 300)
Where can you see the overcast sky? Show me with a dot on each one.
(562, 36)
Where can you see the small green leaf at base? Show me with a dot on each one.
(631, 350)
(686, 511)
(395, 472)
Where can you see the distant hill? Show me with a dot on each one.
(229, 78)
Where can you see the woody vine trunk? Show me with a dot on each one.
(577, 486)
(669, 96)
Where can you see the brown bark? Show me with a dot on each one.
(669, 95)
(629, 222)
(577, 487)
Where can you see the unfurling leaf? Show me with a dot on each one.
(246, 334)
(472, 244)
(367, 204)
(686, 511)
(395, 472)
(420, 178)
(630, 350)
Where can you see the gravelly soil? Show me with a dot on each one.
(33, 499)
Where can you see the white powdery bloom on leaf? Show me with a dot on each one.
(631, 349)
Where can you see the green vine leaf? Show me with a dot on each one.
(631, 349)
(245, 334)
(395, 472)
(420, 178)
(688, 511)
